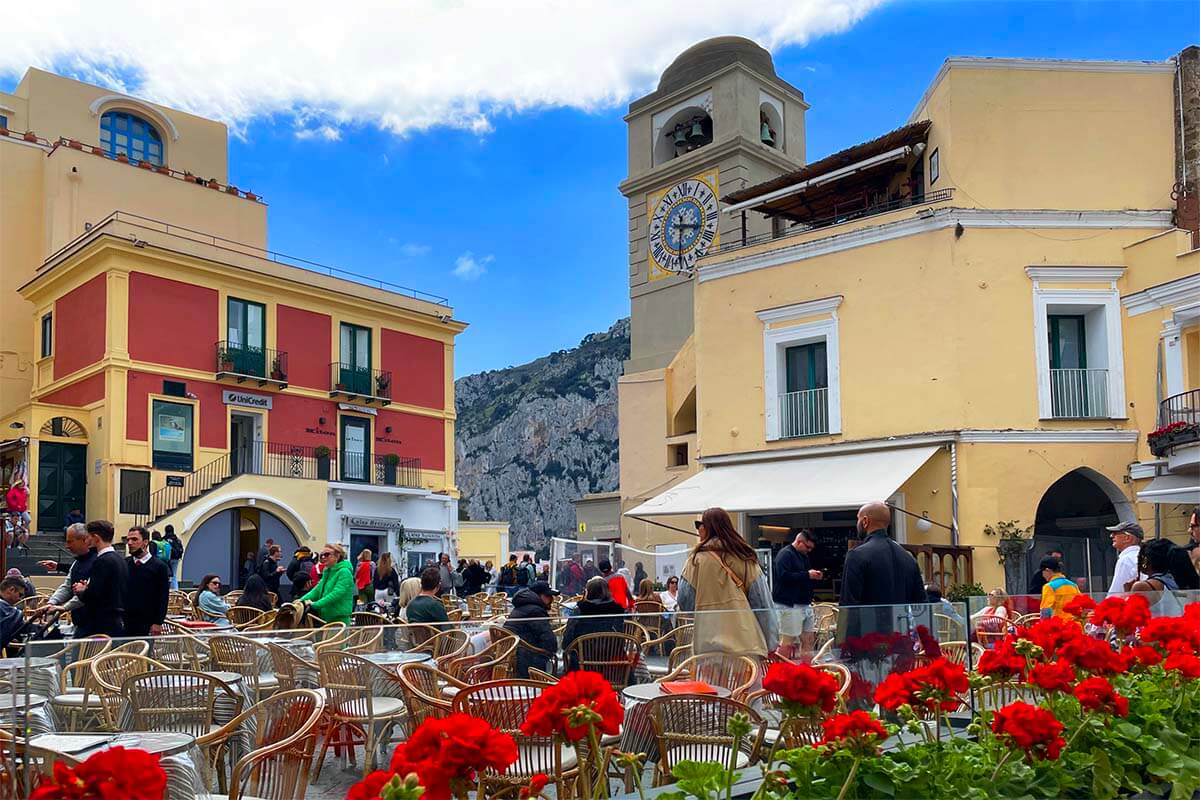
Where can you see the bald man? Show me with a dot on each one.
(879, 572)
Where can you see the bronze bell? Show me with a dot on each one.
(680, 138)
(696, 134)
(768, 138)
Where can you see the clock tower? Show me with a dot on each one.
(720, 120)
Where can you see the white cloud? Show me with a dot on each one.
(468, 267)
(402, 67)
(326, 132)
(414, 249)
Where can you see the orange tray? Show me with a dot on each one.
(687, 687)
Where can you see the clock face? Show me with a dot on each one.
(683, 225)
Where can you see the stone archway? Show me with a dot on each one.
(1072, 516)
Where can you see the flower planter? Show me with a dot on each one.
(163, 169)
(1163, 440)
(212, 184)
(323, 467)
(75, 144)
(145, 165)
(30, 136)
(251, 196)
(122, 158)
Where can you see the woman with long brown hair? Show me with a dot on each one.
(724, 585)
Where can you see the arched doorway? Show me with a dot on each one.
(1072, 516)
(221, 543)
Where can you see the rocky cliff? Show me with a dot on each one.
(530, 439)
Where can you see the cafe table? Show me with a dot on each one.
(30, 713)
(637, 734)
(178, 755)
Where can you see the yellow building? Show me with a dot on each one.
(484, 541)
(965, 316)
(162, 367)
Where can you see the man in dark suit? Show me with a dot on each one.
(103, 594)
(878, 572)
(146, 588)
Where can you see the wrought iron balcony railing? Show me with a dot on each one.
(363, 383)
(243, 362)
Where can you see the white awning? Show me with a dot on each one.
(1181, 488)
(817, 483)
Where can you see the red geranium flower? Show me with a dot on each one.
(536, 784)
(1145, 655)
(1002, 661)
(1186, 665)
(1051, 634)
(936, 685)
(589, 690)
(1079, 605)
(1033, 729)
(1054, 677)
(1191, 613)
(1126, 614)
(929, 642)
(1093, 655)
(1178, 634)
(801, 685)
(107, 775)
(442, 751)
(369, 787)
(1097, 694)
(894, 692)
(857, 731)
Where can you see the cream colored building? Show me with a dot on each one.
(965, 316)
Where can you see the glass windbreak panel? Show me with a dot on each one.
(1068, 348)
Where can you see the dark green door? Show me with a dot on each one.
(354, 373)
(62, 478)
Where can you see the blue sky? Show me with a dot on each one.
(521, 193)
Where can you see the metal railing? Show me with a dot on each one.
(353, 381)
(1183, 407)
(804, 413)
(276, 460)
(243, 361)
(838, 218)
(1079, 393)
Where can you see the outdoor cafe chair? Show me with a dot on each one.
(505, 704)
(282, 735)
(292, 671)
(446, 646)
(650, 616)
(956, 652)
(32, 603)
(538, 675)
(177, 602)
(695, 727)
(738, 674)
(613, 655)
(348, 680)
(497, 660)
(248, 658)
(426, 689)
(179, 648)
(109, 673)
(680, 654)
(139, 647)
(638, 631)
(77, 705)
(362, 640)
(800, 731)
(361, 619)
(418, 633)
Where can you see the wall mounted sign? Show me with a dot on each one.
(232, 398)
(360, 409)
(174, 480)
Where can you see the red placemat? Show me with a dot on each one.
(195, 623)
(687, 687)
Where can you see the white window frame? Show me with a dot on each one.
(1107, 300)
(776, 341)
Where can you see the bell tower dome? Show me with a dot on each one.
(719, 120)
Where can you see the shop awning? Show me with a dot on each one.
(817, 483)
(1179, 488)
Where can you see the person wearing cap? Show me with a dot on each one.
(1058, 591)
(530, 621)
(1126, 540)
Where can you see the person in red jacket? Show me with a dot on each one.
(363, 574)
(617, 585)
(17, 500)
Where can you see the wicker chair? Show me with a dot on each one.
(32, 603)
(348, 680)
(650, 616)
(497, 660)
(505, 705)
(418, 633)
(109, 673)
(695, 728)
(680, 654)
(445, 646)
(283, 734)
(232, 597)
(247, 658)
(292, 671)
(77, 705)
(738, 674)
(800, 732)
(178, 648)
(613, 655)
(362, 640)
(362, 619)
(538, 675)
(425, 690)
(244, 616)
(177, 603)
(956, 652)
(638, 631)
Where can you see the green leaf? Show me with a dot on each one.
(879, 783)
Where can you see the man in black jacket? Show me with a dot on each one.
(530, 621)
(146, 588)
(270, 570)
(80, 569)
(103, 594)
(474, 578)
(793, 595)
(878, 573)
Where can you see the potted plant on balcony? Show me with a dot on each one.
(225, 359)
(321, 452)
(390, 462)
(383, 385)
(278, 373)
(1014, 542)
(1166, 437)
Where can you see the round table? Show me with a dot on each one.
(226, 708)
(42, 674)
(637, 735)
(30, 712)
(177, 753)
(393, 660)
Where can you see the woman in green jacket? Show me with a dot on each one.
(332, 599)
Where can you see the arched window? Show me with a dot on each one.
(122, 133)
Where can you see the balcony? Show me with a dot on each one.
(360, 383)
(1079, 393)
(1178, 425)
(804, 413)
(242, 363)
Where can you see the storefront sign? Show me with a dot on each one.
(174, 480)
(232, 398)
(376, 523)
(360, 409)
